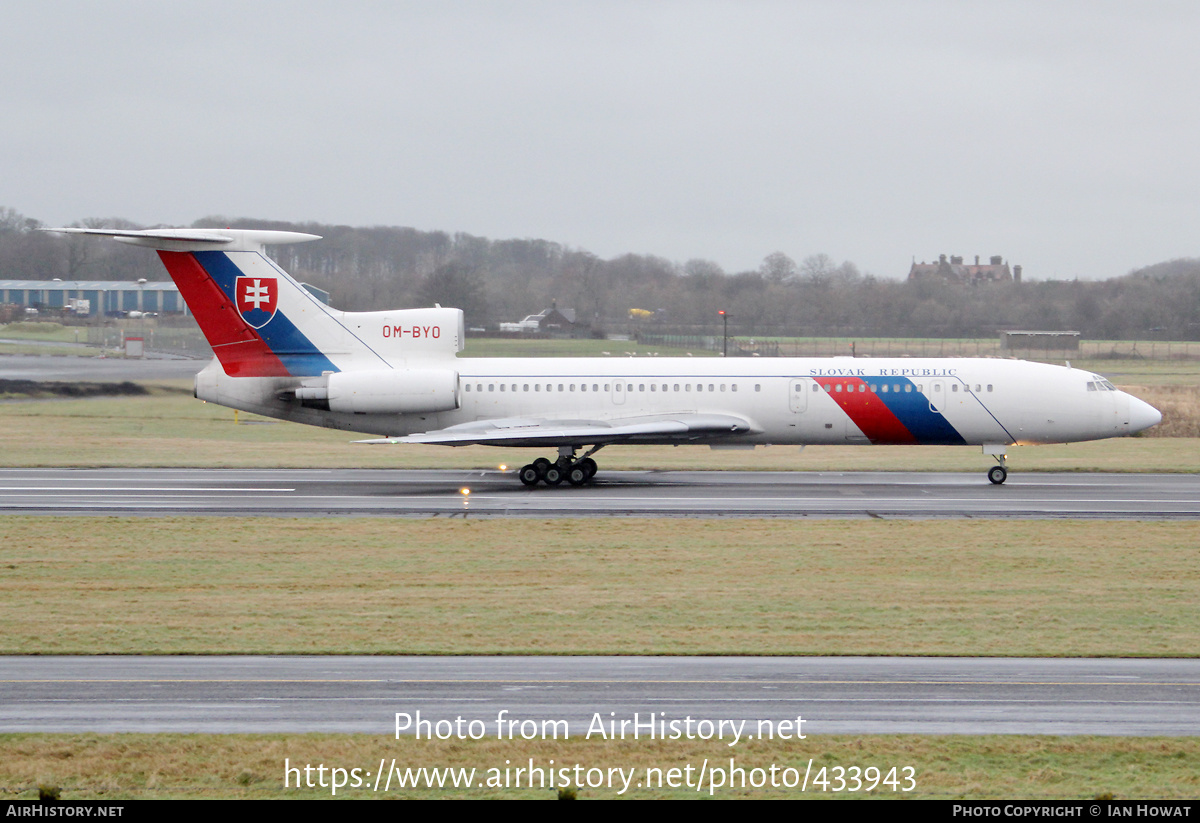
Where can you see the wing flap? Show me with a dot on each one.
(680, 428)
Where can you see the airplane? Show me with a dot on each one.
(280, 352)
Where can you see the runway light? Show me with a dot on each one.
(464, 491)
(503, 467)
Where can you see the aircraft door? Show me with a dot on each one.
(937, 396)
(618, 391)
(798, 395)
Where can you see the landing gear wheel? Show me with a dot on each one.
(541, 464)
(553, 475)
(530, 475)
(997, 474)
(588, 465)
(577, 475)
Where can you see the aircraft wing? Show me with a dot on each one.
(675, 428)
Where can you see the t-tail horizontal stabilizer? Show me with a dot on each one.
(197, 239)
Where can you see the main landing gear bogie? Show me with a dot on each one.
(566, 468)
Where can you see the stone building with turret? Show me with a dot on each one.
(953, 269)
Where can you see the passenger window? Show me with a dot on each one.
(908, 388)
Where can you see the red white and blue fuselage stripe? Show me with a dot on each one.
(895, 413)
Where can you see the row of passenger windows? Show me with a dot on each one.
(595, 387)
(883, 388)
(893, 387)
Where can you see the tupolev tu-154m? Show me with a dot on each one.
(281, 352)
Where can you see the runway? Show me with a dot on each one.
(155, 366)
(383, 493)
(829, 695)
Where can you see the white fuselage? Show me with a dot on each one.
(281, 352)
(786, 400)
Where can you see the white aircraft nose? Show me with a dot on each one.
(1142, 415)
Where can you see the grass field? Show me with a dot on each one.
(501, 347)
(166, 585)
(113, 767)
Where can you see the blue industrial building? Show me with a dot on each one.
(105, 297)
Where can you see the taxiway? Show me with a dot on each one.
(833, 695)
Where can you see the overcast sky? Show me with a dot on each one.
(1064, 136)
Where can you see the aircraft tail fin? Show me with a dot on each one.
(259, 321)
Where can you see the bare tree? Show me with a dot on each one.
(778, 267)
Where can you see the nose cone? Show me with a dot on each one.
(1142, 415)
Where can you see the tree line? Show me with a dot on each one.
(367, 268)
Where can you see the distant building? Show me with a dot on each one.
(99, 296)
(954, 270)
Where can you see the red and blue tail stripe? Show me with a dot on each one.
(207, 280)
(903, 417)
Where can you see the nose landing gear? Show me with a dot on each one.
(997, 474)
